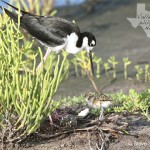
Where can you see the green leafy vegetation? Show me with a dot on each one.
(133, 102)
(73, 101)
(113, 62)
(25, 94)
(127, 62)
(82, 65)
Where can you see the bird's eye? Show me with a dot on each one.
(92, 44)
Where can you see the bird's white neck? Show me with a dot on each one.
(71, 43)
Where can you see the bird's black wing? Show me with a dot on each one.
(49, 30)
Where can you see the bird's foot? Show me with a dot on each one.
(101, 116)
(52, 123)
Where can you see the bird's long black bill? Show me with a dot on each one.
(91, 61)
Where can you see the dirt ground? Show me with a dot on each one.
(115, 36)
(139, 140)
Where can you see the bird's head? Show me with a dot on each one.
(89, 42)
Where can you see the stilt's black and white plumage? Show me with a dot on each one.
(55, 33)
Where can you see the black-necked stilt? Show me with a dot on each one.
(55, 33)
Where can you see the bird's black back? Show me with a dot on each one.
(49, 30)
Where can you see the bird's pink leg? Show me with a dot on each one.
(51, 120)
(45, 57)
(47, 53)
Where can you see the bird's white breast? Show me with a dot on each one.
(106, 104)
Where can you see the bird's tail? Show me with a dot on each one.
(13, 15)
(23, 12)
